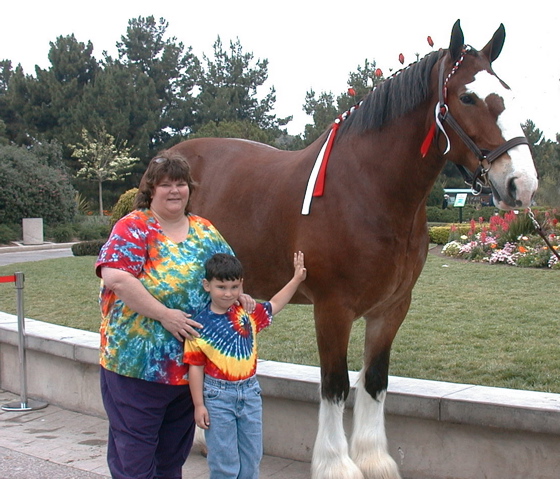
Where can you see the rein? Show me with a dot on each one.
(444, 116)
(542, 234)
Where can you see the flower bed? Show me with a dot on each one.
(509, 239)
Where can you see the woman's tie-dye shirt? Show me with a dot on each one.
(136, 346)
(227, 347)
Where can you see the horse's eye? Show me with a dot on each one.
(467, 100)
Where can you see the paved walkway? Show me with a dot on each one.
(54, 443)
(23, 253)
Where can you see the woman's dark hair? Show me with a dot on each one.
(166, 165)
(223, 267)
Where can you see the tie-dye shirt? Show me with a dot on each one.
(131, 344)
(227, 347)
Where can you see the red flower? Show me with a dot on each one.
(430, 41)
(378, 73)
(351, 92)
(401, 58)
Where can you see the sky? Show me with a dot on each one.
(311, 44)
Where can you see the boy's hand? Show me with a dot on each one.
(300, 272)
(201, 417)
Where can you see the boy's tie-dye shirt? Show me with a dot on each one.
(136, 346)
(227, 347)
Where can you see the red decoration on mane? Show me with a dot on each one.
(320, 183)
(428, 141)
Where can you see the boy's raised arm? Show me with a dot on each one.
(280, 299)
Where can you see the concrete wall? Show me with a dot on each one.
(436, 430)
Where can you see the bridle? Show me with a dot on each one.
(479, 179)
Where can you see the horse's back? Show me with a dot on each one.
(247, 190)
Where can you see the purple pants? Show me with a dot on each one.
(151, 427)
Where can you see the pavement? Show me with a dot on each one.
(19, 253)
(56, 443)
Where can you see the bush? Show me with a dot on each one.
(31, 188)
(63, 233)
(87, 232)
(8, 234)
(444, 234)
(451, 215)
(439, 234)
(124, 205)
(87, 248)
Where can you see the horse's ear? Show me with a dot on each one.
(494, 47)
(457, 41)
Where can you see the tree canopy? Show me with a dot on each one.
(156, 92)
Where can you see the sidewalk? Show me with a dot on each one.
(54, 443)
(24, 253)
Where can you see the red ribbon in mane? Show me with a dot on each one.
(321, 178)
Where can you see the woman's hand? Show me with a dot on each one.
(132, 292)
(248, 303)
(180, 324)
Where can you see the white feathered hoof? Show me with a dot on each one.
(378, 466)
(335, 468)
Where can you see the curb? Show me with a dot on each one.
(20, 247)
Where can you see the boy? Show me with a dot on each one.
(223, 363)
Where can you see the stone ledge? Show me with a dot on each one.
(481, 406)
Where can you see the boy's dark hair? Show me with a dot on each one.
(223, 267)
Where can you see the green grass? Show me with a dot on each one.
(468, 323)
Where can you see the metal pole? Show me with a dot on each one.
(24, 404)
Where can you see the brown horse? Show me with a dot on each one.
(365, 239)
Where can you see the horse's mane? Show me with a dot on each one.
(393, 98)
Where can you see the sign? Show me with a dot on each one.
(460, 200)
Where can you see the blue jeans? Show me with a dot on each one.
(234, 438)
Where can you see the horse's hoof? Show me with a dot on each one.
(380, 466)
(340, 469)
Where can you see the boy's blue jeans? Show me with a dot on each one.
(234, 438)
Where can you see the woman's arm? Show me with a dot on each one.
(132, 292)
(196, 383)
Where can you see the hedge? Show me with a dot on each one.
(87, 248)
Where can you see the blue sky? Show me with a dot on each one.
(312, 44)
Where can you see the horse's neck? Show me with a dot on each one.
(390, 161)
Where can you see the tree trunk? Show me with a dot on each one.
(100, 198)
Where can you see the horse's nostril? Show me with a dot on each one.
(512, 189)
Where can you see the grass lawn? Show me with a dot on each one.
(468, 323)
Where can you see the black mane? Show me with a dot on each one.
(393, 98)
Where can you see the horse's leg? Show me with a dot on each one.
(369, 442)
(330, 454)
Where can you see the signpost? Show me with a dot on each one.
(460, 201)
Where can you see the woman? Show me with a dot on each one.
(152, 268)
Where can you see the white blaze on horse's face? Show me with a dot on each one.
(514, 181)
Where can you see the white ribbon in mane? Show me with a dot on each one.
(313, 177)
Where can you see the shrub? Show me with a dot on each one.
(124, 205)
(439, 234)
(63, 233)
(87, 232)
(451, 215)
(31, 188)
(8, 234)
(87, 248)
(443, 234)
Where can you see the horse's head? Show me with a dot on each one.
(480, 128)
